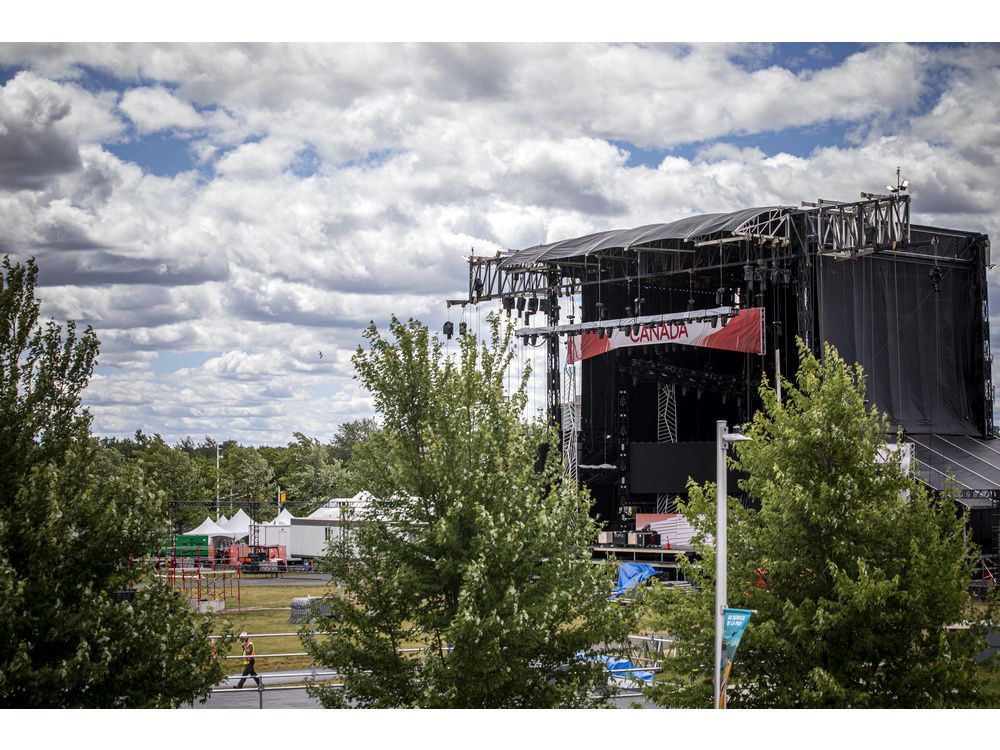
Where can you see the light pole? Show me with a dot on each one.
(218, 453)
(722, 440)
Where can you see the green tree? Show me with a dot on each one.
(312, 475)
(171, 470)
(350, 435)
(853, 568)
(67, 533)
(465, 550)
(246, 472)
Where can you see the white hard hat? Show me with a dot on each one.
(244, 634)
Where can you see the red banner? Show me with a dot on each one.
(744, 332)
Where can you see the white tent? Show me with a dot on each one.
(239, 524)
(284, 518)
(331, 509)
(211, 529)
(222, 520)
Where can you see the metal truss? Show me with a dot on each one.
(847, 229)
(570, 412)
(666, 413)
(770, 225)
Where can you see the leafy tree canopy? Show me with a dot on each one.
(71, 518)
(465, 550)
(854, 570)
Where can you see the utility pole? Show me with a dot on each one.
(218, 453)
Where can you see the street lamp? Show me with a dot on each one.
(723, 438)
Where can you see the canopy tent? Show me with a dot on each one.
(284, 518)
(331, 509)
(222, 520)
(239, 524)
(211, 529)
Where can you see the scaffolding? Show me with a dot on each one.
(199, 580)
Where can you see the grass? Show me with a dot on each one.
(266, 609)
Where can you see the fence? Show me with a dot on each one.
(647, 654)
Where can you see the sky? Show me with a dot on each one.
(222, 213)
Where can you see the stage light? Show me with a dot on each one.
(715, 321)
(543, 306)
(534, 339)
(786, 275)
(609, 331)
(508, 304)
(520, 304)
(478, 286)
(720, 294)
(448, 329)
(533, 304)
(748, 272)
(600, 333)
(725, 320)
(904, 185)
(690, 304)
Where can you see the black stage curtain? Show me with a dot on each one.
(916, 344)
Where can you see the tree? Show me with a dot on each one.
(349, 436)
(854, 570)
(311, 475)
(465, 550)
(67, 534)
(246, 472)
(171, 470)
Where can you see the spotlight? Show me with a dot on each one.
(520, 304)
(786, 275)
(543, 306)
(508, 304)
(600, 333)
(636, 328)
(715, 321)
(748, 272)
(720, 294)
(478, 286)
(448, 329)
(534, 339)
(608, 332)
(533, 305)
(725, 320)
(690, 304)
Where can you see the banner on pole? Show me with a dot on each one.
(734, 623)
(743, 332)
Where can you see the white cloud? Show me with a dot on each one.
(154, 108)
(415, 155)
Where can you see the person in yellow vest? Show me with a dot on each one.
(248, 660)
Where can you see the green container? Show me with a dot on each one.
(187, 545)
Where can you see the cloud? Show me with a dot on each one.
(340, 184)
(152, 109)
(41, 126)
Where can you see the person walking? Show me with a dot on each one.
(248, 660)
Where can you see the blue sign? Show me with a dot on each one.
(734, 623)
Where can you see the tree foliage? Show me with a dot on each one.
(853, 581)
(466, 550)
(68, 530)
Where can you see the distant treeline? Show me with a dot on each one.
(308, 470)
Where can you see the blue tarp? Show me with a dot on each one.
(630, 575)
(619, 675)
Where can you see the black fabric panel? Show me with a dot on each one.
(916, 345)
(665, 467)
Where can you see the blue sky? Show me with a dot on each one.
(223, 213)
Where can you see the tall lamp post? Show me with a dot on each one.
(722, 440)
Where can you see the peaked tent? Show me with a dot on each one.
(284, 518)
(211, 529)
(222, 520)
(239, 524)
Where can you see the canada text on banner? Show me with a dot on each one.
(744, 332)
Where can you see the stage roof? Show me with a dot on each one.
(973, 463)
(688, 228)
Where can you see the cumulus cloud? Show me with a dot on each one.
(333, 185)
(154, 108)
